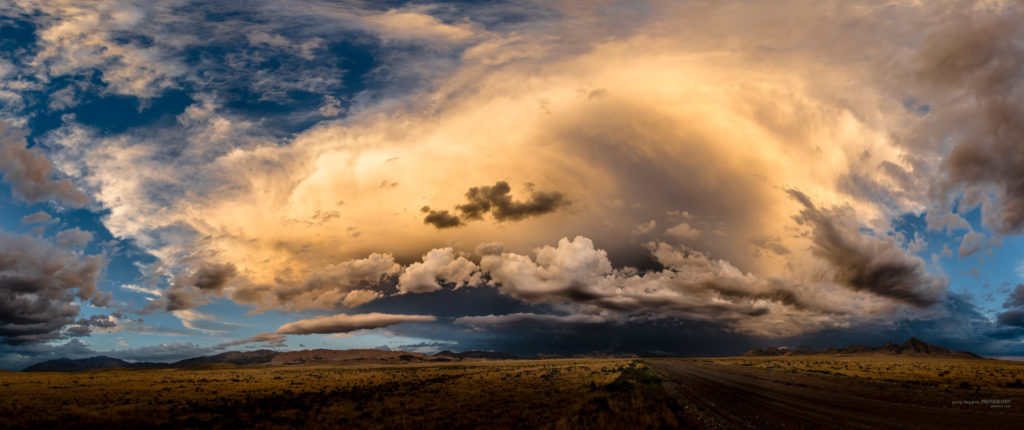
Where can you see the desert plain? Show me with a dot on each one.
(820, 391)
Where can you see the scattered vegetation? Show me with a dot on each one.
(941, 373)
(610, 393)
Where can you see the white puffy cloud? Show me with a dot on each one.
(438, 264)
(683, 232)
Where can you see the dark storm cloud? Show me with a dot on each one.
(1015, 303)
(977, 63)
(865, 263)
(958, 326)
(213, 277)
(187, 290)
(1016, 298)
(1013, 317)
(440, 219)
(83, 327)
(39, 283)
(28, 172)
(497, 201)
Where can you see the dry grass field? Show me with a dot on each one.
(611, 393)
(941, 373)
(863, 391)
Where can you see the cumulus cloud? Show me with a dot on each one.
(972, 68)
(683, 232)
(489, 248)
(73, 237)
(691, 286)
(37, 218)
(328, 287)
(39, 285)
(439, 264)
(29, 173)
(971, 243)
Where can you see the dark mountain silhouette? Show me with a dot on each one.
(269, 357)
(91, 363)
(230, 357)
(491, 355)
(912, 347)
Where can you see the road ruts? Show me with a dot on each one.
(726, 397)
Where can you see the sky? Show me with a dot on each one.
(184, 178)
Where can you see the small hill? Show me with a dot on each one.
(912, 347)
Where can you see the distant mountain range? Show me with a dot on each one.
(912, 347)
(268, 357)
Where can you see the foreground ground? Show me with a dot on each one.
(495, 394)
(847, 392)
(760, 392)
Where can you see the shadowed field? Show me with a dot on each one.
(497, 394)
(875, 391)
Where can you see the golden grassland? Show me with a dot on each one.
(593, 393)
(942, 373)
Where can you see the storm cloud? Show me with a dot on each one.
(866, 263)
(974, 64)
(39, 285)
(189, 289)
(497, 201)
(662, 137)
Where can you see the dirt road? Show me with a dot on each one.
(740, 397)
